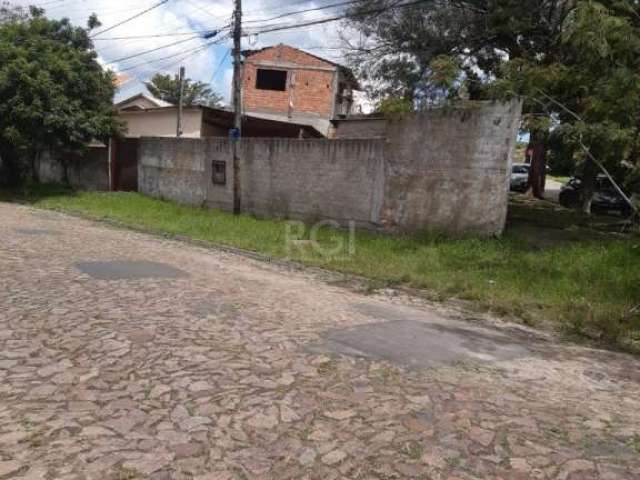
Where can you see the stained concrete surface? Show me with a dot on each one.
(129, 270)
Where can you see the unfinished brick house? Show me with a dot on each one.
(285, 83)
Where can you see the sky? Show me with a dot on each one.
(184, 20)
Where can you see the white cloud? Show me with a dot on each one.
(192, 16)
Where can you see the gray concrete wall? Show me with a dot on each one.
(449, 169)
(444, 170)
(173, 169)
(360, 128)
(314, 179)
(87, 171)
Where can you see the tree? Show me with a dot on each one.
(167, 88)
(9, 12)
(53, 92)
(574, 61)
(442, 49)
(590, 90)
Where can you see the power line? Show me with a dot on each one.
(217, 71)
(66, 10)
(203, 10)
(188, 52)
(120, 44)
(159, 4)
(169, 45)
(171, 64)
(278, 7)
(298, 12)
(189, 55)
(40, 5)
(148, 62)
(158, 35)
(334, 19)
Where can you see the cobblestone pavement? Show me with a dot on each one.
(221, 375)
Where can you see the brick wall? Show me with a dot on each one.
(445, 170)
(310, 90)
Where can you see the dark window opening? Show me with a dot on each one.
(219, 172)
(271, 80)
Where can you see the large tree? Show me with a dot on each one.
(563, 56)
(588, 92)
(53, 91)
(167, 88)
(442, 48)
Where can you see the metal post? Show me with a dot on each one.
(179, 129)
(237, 103)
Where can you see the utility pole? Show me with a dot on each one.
(179, 132)
(237, 104)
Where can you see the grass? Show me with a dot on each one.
(584, 281)
(559, 178)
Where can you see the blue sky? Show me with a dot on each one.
(183, 19)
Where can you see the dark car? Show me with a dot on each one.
(520, 177)
(606, 199)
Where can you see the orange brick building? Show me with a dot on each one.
(282, 82)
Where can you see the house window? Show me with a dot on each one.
(271, 80)
(219, 172)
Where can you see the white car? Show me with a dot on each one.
(520, 177)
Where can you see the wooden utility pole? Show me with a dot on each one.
(180, 101)
(237, 103)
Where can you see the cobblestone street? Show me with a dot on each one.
(200, 364)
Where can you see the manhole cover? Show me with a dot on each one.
(129, 270)
(35, 231)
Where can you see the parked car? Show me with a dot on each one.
(520, 177)
(606, 199)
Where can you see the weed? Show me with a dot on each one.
(328, 368)
(413, 449)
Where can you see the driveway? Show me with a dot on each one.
(127, 356)
(552, 190)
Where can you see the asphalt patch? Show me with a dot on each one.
(35, 231)
(129, 270)
(419, 340)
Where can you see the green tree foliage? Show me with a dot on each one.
(575, 62)
(394, 107)
(53, 92)
(167, 88)
(589, 89)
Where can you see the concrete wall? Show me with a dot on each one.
(174, 169)
(360, 128)
(307, 179)
(445, 170)
(89, 171)
(449, 169)
(162, 122)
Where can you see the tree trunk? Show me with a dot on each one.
(589, 177)
(65, 171)
(538, 170)
(35, 165)
(10, 171)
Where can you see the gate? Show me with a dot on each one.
(124, 164)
